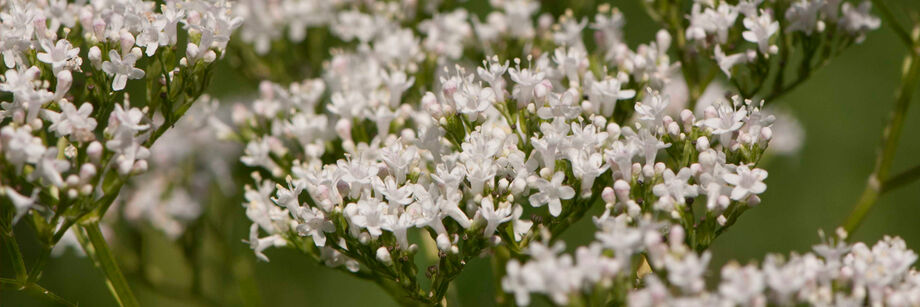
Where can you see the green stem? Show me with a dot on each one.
(34, 289)
(19, 266)
(900, 30)
(95, 246)
(889, 145)
(901, 179)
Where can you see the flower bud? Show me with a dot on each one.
(95, 57)
(702, 144)
(674, 129)
(613, 130)
(94, 150)
(384, 255)
(443, 242)
(127, 41)
(621, 187)
(64, 80)
(608, 195)
(343, 128)
(766, 133)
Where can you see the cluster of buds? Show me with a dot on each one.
(72, 135)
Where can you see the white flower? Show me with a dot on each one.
(709, 21)
(803, 16)
(588, 166)
(314, 225)
(397, 82)
(561, 106)
(746, 181)
(494, 216)
(742, 285)
(472, 99)
(604, 95)
(72, 122)
(49, 168)
(19, 146)
(759, 31)
(552, 192)
(258, 245)
(368, 214)
(651, 112)
(122, 68)
(21, 203)
(687, 272)
(726, 121)
(726, 62)
(526, 82)
(857, 21)
(57, 55)
(676, 186)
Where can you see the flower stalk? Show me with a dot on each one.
(93, 242)
(890, 137)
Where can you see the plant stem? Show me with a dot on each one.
(892, 133)
(902, 32)
(35, 289)
(901, 179)
(95, 246)
(19, 266)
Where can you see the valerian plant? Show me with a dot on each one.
(397, 141)
(406, 154)
(71, 135)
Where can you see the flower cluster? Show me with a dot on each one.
(71, 135)
(170, 197)
(834, 274)
(348, 166)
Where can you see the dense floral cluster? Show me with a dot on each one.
(834, 274)
(419, 128)
(71, 135)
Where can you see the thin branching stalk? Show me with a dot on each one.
(90, 237)
(890, 138)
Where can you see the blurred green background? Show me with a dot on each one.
(842, 109)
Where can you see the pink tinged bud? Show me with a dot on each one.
(86, 17)
(384, 255)
(127, 41)
(696, 168)
(613, 130)
(140, 166)
(95, 57)
(72, 180)
(99, 28)
(633, 209)
(766, 133)
(667, 120)
(343, 128)
(621, 188)
(94, 150)
(754, 200)
(686, 116)
(676, 236)
(659, 168)
(64, 80)
(41, 25)
(608, 195)
(443, 242)
(674, 129)
(543, 88)
(87, 171)
(702, 143)
(723, 201)
(710, 112)
(503, 184)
